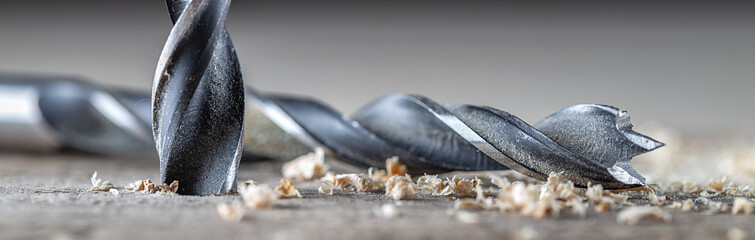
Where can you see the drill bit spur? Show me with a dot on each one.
(198, 121)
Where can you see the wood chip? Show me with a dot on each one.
(232, 212)
(741, 206)
(99, 185)
(306, 167)
(354, 182)
(633, 215)
(400, 187)
(258, 196)
(287, 190)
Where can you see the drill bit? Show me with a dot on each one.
(198, 100)
(46, 114)
(54, 112)
(586, 143)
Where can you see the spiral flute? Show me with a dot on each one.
(198, 100)
(587, 143)
(199, 127)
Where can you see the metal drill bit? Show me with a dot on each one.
(198, 100)
(44, 114)
(587, 143)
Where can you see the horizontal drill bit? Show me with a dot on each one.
(586, 143)
(54, 112)
(44, 114)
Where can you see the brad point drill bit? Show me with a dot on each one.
(198, 100)
(587, 143)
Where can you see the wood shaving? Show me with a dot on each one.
(463, 186)
(232, 212)
(675, 205)
(329, 176)
(467, 204)
(688, 205)
(717, 184)
(326, 187)
(633, 215)
(433, 184)
(715, 207)
(741, 206)
(400, 187)
(387, 211)
(736, 234)
(354, 182)
(287, 190)
(306, 167)
(578, 207)
(146, 186)
(257, 196)
(99, 185)
(392, 168)
(683, 187)
(655, 200)
(519, 197)
(604, 200)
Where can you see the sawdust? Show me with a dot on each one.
(146, 186)
(400, 187)
(287, 190)
(459, 186)
(392, 168)
(232, 212)
(354, 182)
(604, 200)
(742, 206)
(99, 185)
(306, 167)
(326, 187)
(432, 184)
(633, 215)
(656, 200)
(257, 195)
(329, 176)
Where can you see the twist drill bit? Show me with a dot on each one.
(587, 143)
(54, 112)
(198, 100)
(44, 114)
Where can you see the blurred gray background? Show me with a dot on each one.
(685, 65)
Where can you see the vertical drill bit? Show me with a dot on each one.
(198, 100)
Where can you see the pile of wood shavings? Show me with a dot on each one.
(549, 199)
(146, 186)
